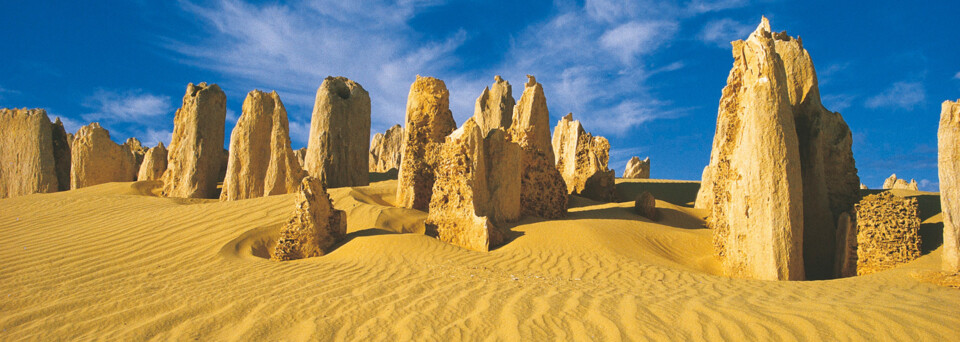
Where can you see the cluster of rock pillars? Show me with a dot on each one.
(781, 188)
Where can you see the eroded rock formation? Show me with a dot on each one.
(846, 246)
(888, 232)
(136, 150)
(948, 137)
(195, 157)
(771, 124)
(582, 161)
(338, 150)
(154, 163)
(386, 150)
(543, 192)
(315, 225)
(27, 160)
(301, 156)
(646, 205)
(477, 187)
(637, 168)
(428, 122)
(261, 162)
(61, 154)
(893, 182)
(95, 159)
(494, 107)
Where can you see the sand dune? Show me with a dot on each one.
(116, 262)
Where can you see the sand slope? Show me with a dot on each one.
(115, 262)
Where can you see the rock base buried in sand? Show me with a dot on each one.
(428, 122)
(543, 192)
(646, 205)
(888, 232)
(195, 158)
(339, 145)
(27, 159)
(477, 187)
(948, 137)
(154, 163)
(582, 161)
(386, 149)
(314, 227)
(95, 159)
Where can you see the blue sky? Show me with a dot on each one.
(646, 75)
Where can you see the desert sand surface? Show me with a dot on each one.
(116, 262)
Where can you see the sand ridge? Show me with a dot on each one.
(115, 262)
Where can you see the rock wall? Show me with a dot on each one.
(61, 154)
(477, 187)
(386, 150)
(582, 160)
(195, 157)
(494, 107)
(543, 191)
(339, 145)
(154, 163)
(428, 122)
(948, 137)
(315, 225)
(95, 159)
(888, 232)
(27, 160)
(261, 162)
(136, 150)
(636, 168)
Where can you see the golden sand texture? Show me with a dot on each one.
(114, 262)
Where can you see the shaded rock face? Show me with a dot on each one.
(261, 162)
(637, 168)
(888, 232)
(61, 154)
(494, 107)
(846, 246)
(773, 73)
(315, 225)
(428, 122)
(543, 192)
(646, 205)
(95, 159)
(582, 161)
(301, 155)
(948, 140)
(893, 182)
(386, 150)
(195, 157)
(757, 208)
(136, 150)
(477, 187)
(27, 156)
(154, 163)
(338, 150)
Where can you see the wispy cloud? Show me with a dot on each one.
(635, 38)
(928, 185)
(957, 76)
(904, 95)
(723, 31)
(130, 106)
(151, 137)
(837, 102)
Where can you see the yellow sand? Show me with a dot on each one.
(115, 262)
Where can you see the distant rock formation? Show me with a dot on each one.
(61, 154)
(863, 187)
(195, 158)
(136, 150)
(637, 169)
(775, 138)
(428, 122)
(27, 156)
(477, 187)
(386, 150)
(315, 225)
(154, 163)
(338, 150)
(888, 232)
(95, 159)
(494, 107)
(261, 162)
(582, 161)
(893, 182)
(646, 205)
(301, 157)
(948, 137)
(543, 192)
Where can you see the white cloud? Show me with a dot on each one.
(928, 185)
(636, 38)
(837, 102)
(69, 125)
(133, 106)
(957, 76)
(152, 136)
(723, 31)
(905, 95)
